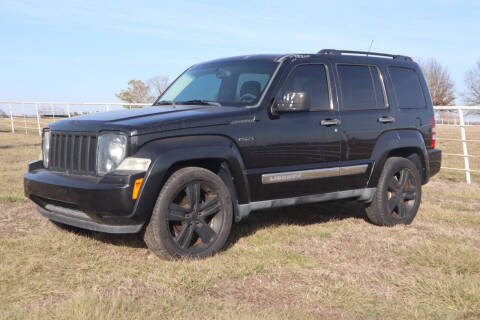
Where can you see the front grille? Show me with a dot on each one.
(73, 152)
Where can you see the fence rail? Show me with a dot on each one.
(31, 116)
(35, 114)
(460, 111)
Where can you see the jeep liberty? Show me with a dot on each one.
(240, 134)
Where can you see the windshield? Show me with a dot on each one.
(229, 83)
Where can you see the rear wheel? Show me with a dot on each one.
(398, 193)
(192, 216)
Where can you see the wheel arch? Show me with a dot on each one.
(399, 143)
(215, 153)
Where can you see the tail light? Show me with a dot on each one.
(433, 132)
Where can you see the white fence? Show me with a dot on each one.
(30, 117)
(459, 121)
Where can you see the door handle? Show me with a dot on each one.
(330, 122)
(386, 119)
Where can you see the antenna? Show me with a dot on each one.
(370, 48)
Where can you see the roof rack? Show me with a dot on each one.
(340, 52)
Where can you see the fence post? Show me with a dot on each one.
(464, 143)
(24, 118)
(38, 120)
(11, 118)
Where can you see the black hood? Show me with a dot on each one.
(153, 119)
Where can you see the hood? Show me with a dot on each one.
(153, 119)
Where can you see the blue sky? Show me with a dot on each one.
(88, 50)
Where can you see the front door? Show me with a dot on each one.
(298, 153)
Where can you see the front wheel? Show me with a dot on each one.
(192, 217)
(398, 195)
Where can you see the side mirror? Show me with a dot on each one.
(293, 102)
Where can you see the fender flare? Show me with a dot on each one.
(395, 140)
(166, 152)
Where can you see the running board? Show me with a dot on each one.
(365, 195)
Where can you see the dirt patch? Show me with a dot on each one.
(20, 218)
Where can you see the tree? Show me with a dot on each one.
(158, 85)
(137, 92)
(472, 81)
(439, 82)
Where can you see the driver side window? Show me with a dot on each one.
(312, 79)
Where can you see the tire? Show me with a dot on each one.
(192, 217)
(398, 194)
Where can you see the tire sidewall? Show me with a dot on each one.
(159, 219)
(392, 166)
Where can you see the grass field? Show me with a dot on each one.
(320, 261)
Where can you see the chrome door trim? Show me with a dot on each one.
(358, 169)
(289, 176)
(299, 175)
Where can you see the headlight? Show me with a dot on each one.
(46, 148)
(111, 150)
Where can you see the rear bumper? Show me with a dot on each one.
(95, 203)
(435, 161)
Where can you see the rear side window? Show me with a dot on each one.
(407, 87)
(312, 79)
(361, 87)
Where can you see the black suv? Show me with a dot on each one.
(239, 134)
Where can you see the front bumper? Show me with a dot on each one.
(81, 220)
(95, 203)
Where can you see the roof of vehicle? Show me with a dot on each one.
(340, 54)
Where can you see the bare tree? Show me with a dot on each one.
(137, 92)
(439, 82)
(158, 84)
(472, 81)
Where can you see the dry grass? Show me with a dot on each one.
(16, 151)
(319, 261)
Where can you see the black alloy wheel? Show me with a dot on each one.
(195, 217)
(398, 194)
(192, 217)
(402, 193)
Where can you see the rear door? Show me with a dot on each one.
(364, 115)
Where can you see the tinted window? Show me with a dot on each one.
(361, 87)
(312, 79)
(407, 87)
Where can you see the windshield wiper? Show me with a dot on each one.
(201, 102)
(164, 103)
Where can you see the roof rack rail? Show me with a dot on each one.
(340, 52)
